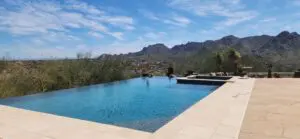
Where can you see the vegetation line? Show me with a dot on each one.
(28, 77)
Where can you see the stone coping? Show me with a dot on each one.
(218, 116)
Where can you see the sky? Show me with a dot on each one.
(41, 29)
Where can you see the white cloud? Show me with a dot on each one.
(27, 21)
(181, 20)
(42, 17)
(13, 2)
(198, 7)
(57, 37)
(128, 27)
(118, 21)
(177, 21)
(268, 20)
(172, 22)
(233, 10)
(231, 1)
(84, 7)
(238, 19)
(172, 19)
(118, 35)
(148, 14)
(95, 34)
(155, 36)
(296, 2)
(38, 50)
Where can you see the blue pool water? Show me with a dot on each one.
(142, 104)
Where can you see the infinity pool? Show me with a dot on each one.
(142, 103)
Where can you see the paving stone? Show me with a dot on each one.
(273, 110)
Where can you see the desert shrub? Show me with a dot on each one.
(28, 77)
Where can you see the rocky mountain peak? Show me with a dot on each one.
(286, 36)
(283, 34)
(156, 48)
(228, 40)
(158, 45)
(230, 37)
(295, 34)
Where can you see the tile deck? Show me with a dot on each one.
(23, 124)
(218, 116)
(273, 111)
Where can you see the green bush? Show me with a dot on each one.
(28, 77)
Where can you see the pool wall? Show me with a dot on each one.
(200, 82)
(204, 80)
(214, 77)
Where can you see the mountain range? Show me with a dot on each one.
(282, 50)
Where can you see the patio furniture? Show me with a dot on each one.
(297, 74)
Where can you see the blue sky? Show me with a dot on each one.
(61, 28)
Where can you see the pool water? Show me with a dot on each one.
(141, 103)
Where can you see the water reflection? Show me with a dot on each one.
(171, 77)
(146, 79)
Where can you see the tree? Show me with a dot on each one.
(219, 59)
(234, 57)
(270, 66)
(86, 55)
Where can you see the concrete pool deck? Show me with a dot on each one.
(23, 124)
(218, 116)
(273, 111)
